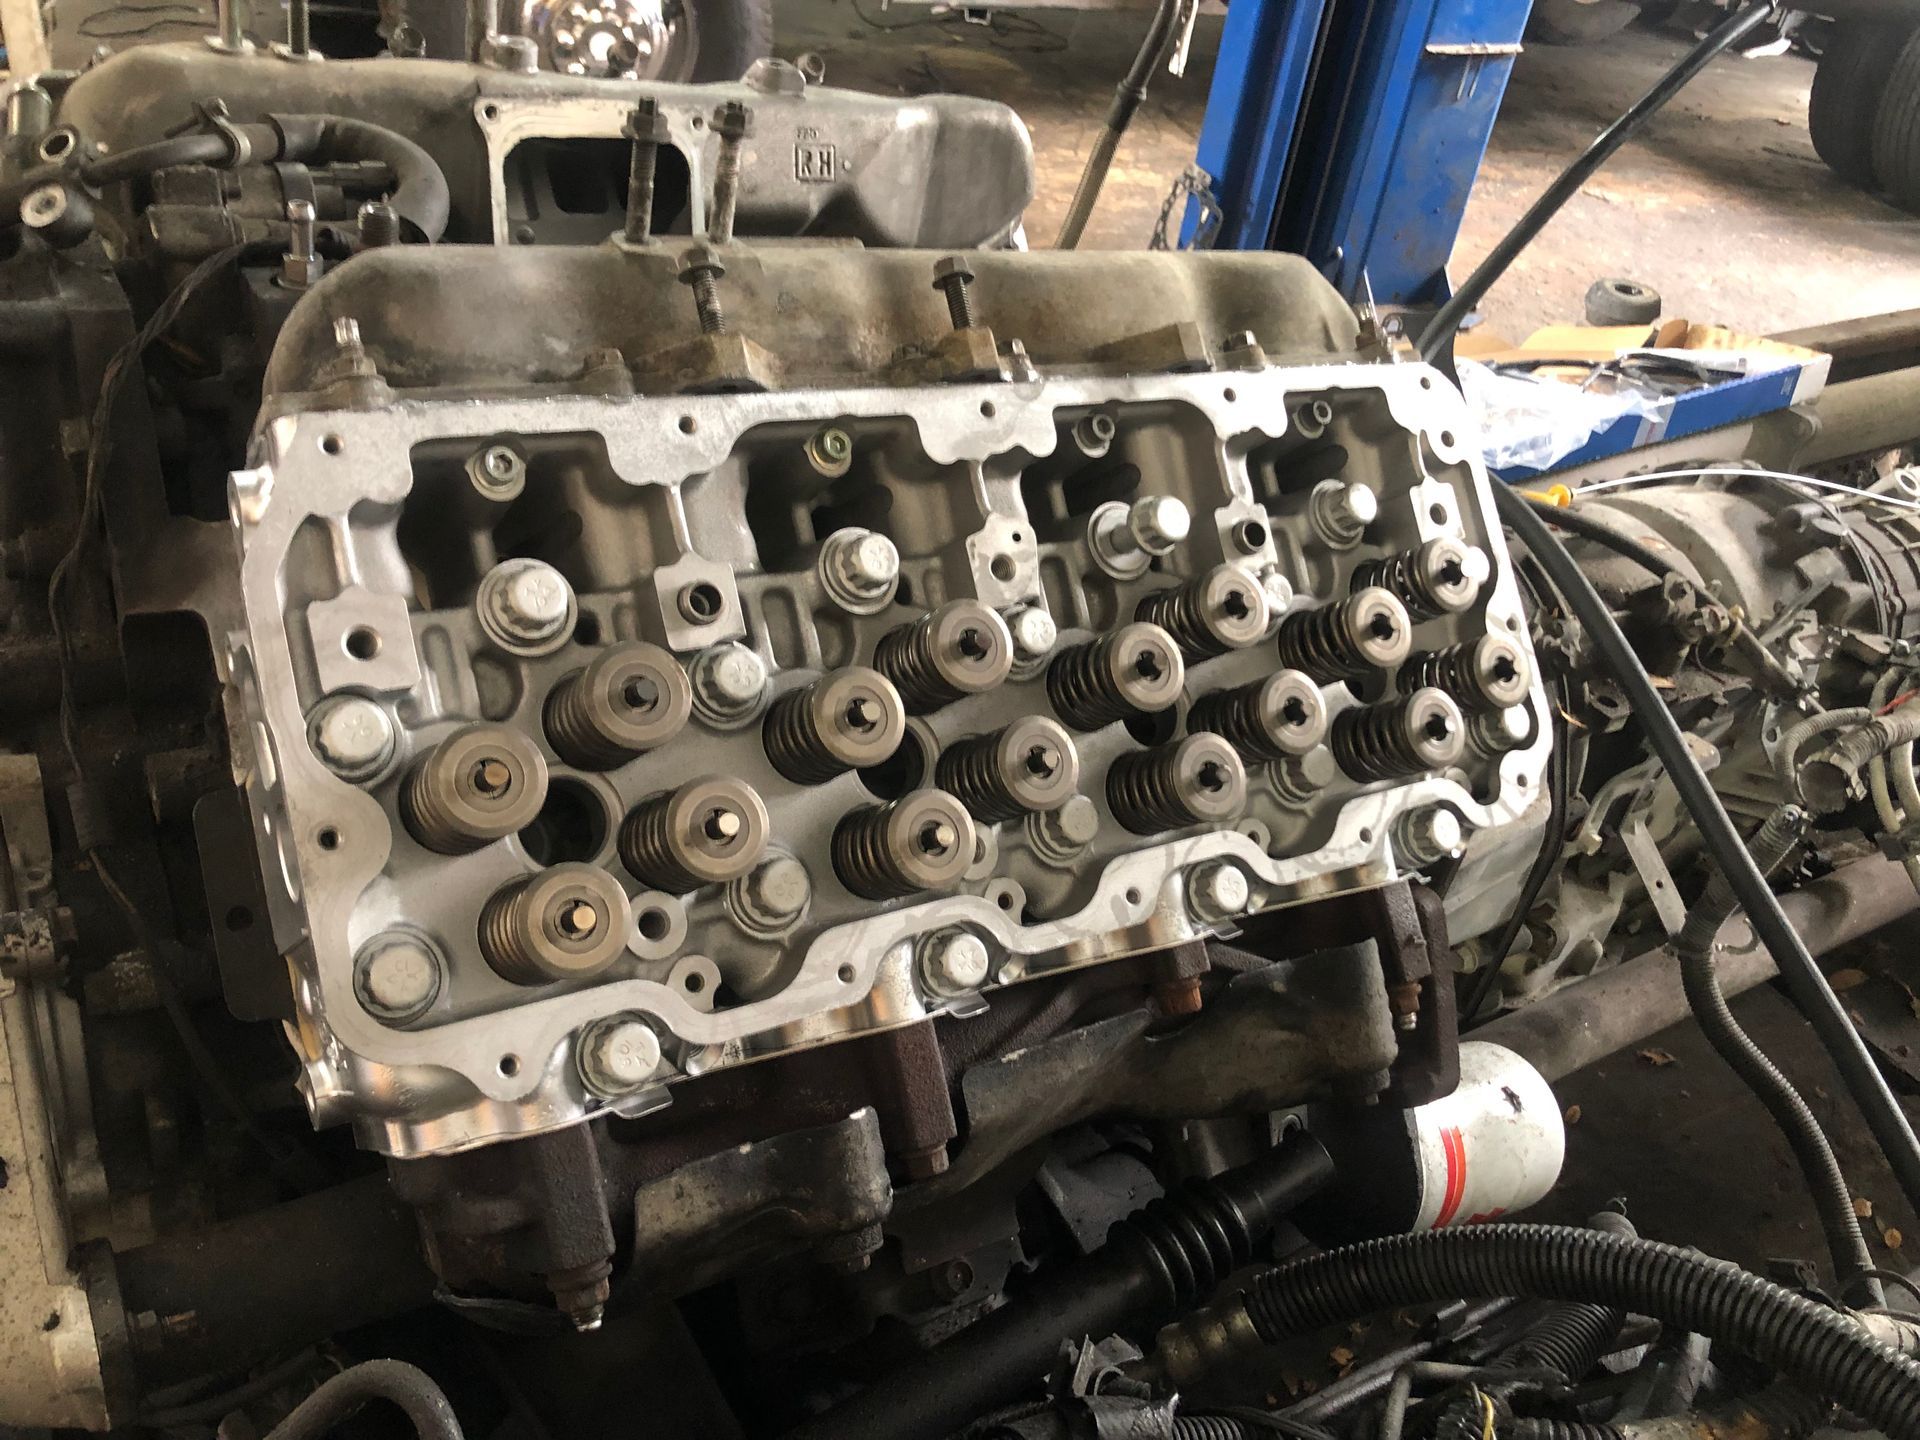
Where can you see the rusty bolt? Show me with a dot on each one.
(701, 268)
(951, 276)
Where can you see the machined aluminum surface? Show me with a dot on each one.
(348, 513)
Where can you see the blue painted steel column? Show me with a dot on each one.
(1386, 139)
(1259, 84)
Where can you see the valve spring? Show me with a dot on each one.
(867, 852)
(1322, 642)
(505, 928)
(646, 846)
(958, 650)
(1487, 674)
(1187, 612)
(583, 905)
(1081, 683)
(1412, 735)
(1173, 786)
(1256, 726)
(1431, 580)
(975, 769)
(629, 700)
(793, 739)
(478, 785)
(571, 731)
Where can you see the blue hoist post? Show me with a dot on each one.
(1350, 131)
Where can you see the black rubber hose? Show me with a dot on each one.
(1826, 1183)
(1810, 989)
(1822, 1349)
(1437, 338)
(1562, 517)
(423, 1401)
(420, 187)
(1128, 97)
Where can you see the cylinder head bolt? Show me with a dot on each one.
(1428, 834)
(617, 1054)
(628, 700)
(707, 832)
(353, 735)
(1409, 736)
(1225, 609)
(953, 962)
(1135, 670)
(846, 720)
(1199, 781)
(480, 784)
(961, 649)
(1491, 673)
(1350, 639)
(397, 976)
(922, 841)
(1061, 836)
(1034, 636)
(770, 899)
(1340, 512)
(1281, 716)
(1442, 576)
(859, 570)
(568, 922)
(1126, 539)
(729, 681)
(1030, 765)
(526, 607)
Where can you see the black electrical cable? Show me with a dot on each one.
(1823, 1350)
(1128, 96)
(213, 1408)
(1810, 989)
(1562, 517)
(1437, 339)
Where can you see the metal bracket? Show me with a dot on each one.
(1644, 851)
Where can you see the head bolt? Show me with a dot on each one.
(1218, 891)
(397, 976)
(954, 962)
(1340, 513)
(353, 736)
(701, 269)
(729, 682)
(859, 570)
(1034, 634)
(1126, 538)
(1428, 835)
(772, 897)
(497, 472)
(526, 607)
(732, 123)
(647, 129)
(952, 274)
(1061, 835)
(617, 1055)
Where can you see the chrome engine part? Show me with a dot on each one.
(872, 764)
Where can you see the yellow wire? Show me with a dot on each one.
(1486, 1411)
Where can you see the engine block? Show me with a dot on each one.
(598, 741)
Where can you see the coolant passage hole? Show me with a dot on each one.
(363, 642)
(654, 925)
(571, 826)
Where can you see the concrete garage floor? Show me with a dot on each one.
(1721, 205)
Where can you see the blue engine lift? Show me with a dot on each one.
(1350, 131)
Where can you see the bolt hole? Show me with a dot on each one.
(1437, 513)
(1231, 394)
(509, 1065)
(693, 982)
(363, 642)
(653, 925)
(1003, 568)
(239, 917)
(1366, 837)
(704, 601)
(1426, 382)
(688, 424)
(699, 122)
(846, 974)
(332, 444)
(57, 144)
(1133, 896)
(491, 112)
(987, 409)
(328, 838)
(1015, 537)
(1446, 438)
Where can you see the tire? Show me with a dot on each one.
(728, 36)
(1622, 302)
(1848, 84)
(1896, 129)
(1579, 22)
